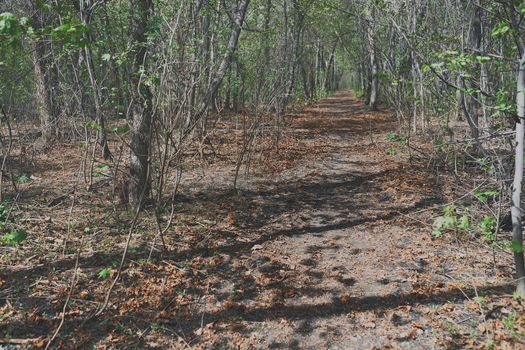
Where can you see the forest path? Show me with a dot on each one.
(337, 257)
(333, 253)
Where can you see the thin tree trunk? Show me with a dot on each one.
(102, 136)
(372, 103)
(516, 210)
(238, 20)
(471, 104)
(45, 80)
(142, 106)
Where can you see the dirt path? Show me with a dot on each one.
(331, 260)
(333, 253)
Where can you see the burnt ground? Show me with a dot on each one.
(332, 251)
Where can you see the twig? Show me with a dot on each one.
(18, 341)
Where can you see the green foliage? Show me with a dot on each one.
(391, 152)
(449, 210)
(464, 223)
(104, 273)
(501, 29)
(22, 179)
(504, 103)
(102, 170)
(12, 28)
(71, 33)
(488, 228)
(402, 140)
(14, 237)
(448, 221)
(484, 195)
(92, 125)
(120, 129)
(485, 164)
(443, 223)
(510, 320)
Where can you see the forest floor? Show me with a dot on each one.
(326, 246)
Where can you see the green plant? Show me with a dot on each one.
(483, 196)
(481, 300)
(22, 179)
(488, 228)
(180, 292)
(485, 164)
(448, 221)
(391, 152)
(14, 237)
(510, 320)
(402, 140)
(102, 170)
(464, 223)
(104, 273)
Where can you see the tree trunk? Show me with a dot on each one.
(102, 135)
(372, 100)
(142, 106)
(45, 81)
(470, 101)
(516, 210)
(238, 20)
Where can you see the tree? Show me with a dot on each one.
(517, 185)
(371, 46)
(45, 71)
(141, 104)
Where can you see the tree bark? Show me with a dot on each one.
(470, 101)
(372, 100)
(45, 80)
(516, 210)
(142, 105)
(238, 20)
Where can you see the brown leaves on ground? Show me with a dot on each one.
(232, 279)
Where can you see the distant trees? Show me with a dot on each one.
(442, 62)
(155, 76)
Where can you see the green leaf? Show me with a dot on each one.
(106, 57)
(14, 237)
(42, 5)
(521, 9)
(102, 166)
(102, 169)
(483, 196)
(93, 125)
(22, 179)
(482, 59)
(501, 29)
(450, 210)
(120, 129)
(464, 223)
(104, 273)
